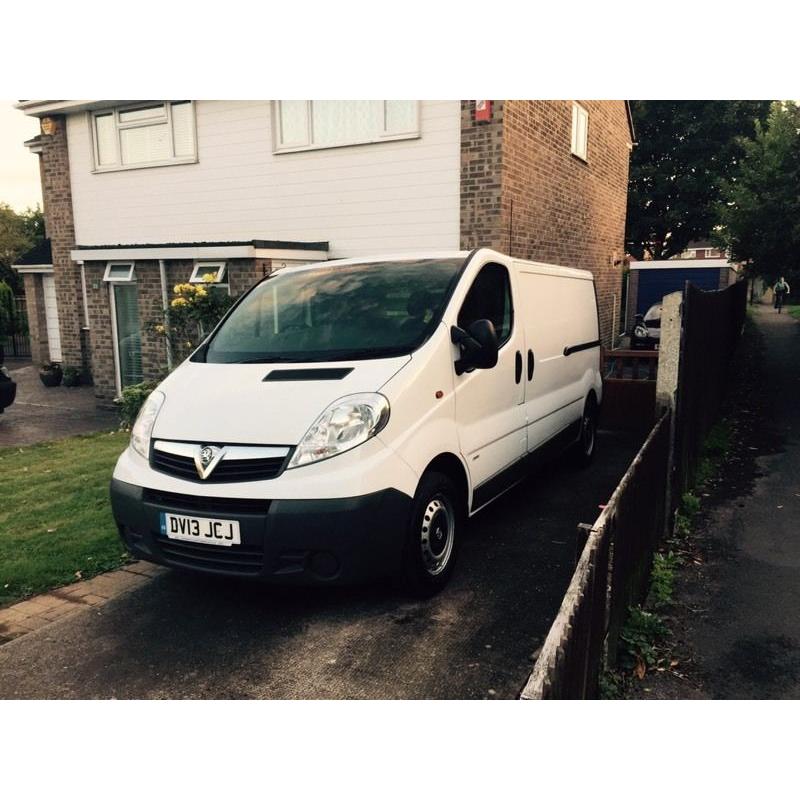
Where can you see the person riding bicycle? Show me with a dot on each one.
(781, 289)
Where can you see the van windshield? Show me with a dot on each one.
(359, 311)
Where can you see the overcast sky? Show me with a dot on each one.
(19, 168)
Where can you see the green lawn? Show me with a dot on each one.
(55, 516)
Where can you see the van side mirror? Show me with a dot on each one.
(478, 346)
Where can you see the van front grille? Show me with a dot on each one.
(227, 471)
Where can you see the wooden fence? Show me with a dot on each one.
(614, 565)
(611, 574)
(712, 323)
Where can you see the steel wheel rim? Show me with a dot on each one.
(437, 535)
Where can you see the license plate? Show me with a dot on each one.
(200, 529)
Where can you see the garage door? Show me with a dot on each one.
(654, 284)
(51, 317)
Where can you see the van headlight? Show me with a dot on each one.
(343, 425)
(143, 427)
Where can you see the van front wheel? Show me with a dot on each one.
(432, 539)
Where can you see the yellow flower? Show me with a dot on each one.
(210, 277)
(179, 302)
(201, 292)
(160, 329)
(176, 289)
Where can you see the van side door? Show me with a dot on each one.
(560, 314)
(490, 412)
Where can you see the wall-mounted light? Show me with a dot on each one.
(48, 126)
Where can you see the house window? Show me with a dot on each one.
(580, 131)
(202, 269)
(152, 135)
(119, 271)
(314, 124)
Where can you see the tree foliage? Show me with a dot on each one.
(760, 210)
(686, 151)
(18, 234)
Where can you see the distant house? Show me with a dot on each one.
(141, 196)
(702, 249)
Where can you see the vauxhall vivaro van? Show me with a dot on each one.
(345, 418)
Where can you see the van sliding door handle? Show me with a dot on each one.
(530, 364)
(518, 367)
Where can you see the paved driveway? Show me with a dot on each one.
(40, 414)
(180, 636)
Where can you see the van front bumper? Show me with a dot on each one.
(339, 540)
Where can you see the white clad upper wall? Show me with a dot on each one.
(393, 196)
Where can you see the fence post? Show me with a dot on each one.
(669, 358)
(584, 530)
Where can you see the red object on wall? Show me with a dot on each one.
(483, 110)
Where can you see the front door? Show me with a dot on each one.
(489, 402)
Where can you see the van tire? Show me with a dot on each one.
(584, 449)
(435, 527)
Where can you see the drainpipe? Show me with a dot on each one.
(164, 306)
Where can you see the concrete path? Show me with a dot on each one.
(178, 636)
(749, 639)
(40, 414)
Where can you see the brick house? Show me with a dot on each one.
(141, 196)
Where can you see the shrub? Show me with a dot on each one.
(131, 401)
(192, 313)
(72, 376)
(7, 312)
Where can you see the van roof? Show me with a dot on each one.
(528, 266)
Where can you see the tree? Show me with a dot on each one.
(686, 150)
(760, 210)
(18, 234)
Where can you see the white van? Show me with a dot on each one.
(345, 418)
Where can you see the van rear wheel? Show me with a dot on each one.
(433, 535)
(587, 443)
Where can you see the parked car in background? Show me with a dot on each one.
(8, 388)
(647, 329)
(346, 418)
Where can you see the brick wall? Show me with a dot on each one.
(150, 302)
(57, 200)
(481, 155)
(553, 206)
(100, 333)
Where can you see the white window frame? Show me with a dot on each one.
(129, 278)
(579, 149)
(165, 116)
(383, 136)
(221, 267)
